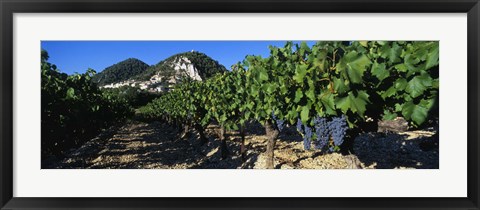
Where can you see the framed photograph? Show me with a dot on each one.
(239, 105)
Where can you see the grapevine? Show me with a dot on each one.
(325, 89)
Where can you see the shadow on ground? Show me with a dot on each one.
(138, 145)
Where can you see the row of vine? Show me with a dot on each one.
(74, 109)
(341, 84)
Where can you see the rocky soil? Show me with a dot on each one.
(138, 145)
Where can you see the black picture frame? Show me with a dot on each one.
(10, 7)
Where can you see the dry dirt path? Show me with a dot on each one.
(138, 145)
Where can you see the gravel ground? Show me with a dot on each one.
(157, 146)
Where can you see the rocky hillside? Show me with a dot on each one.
(194, 64)
(121, 71)
(165, 74)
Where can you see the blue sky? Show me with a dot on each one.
(78, 56)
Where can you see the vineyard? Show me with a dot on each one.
(322, 103)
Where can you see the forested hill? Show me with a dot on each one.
(192, 64)
(121, 71)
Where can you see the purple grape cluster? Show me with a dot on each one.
(307, 137)
(299, 126)
(278, 122)
(306, 133)
(322, 132)
(338, 129)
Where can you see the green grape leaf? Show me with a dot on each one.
(300, 72)
(319, 61)
(391, 53)
(400, 84)
(427, 103)
(387, 115)
(401, 67)
(262, 75)
(269, 88)
(435, 83)
(304, 114)
(379, 71)
(70, 93)
(355, 104)
(298, 95)
(339, 85)
(418, 84)
(292, 115)
(381, 42)
(254, 90)
(389, 92)
(355, 65)
(432, 58)
(414, 112)
(304, 47)
(398, 107)
(310, 93)
(411, 62)
(328, 102)
(287, 100)
(283, 88)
